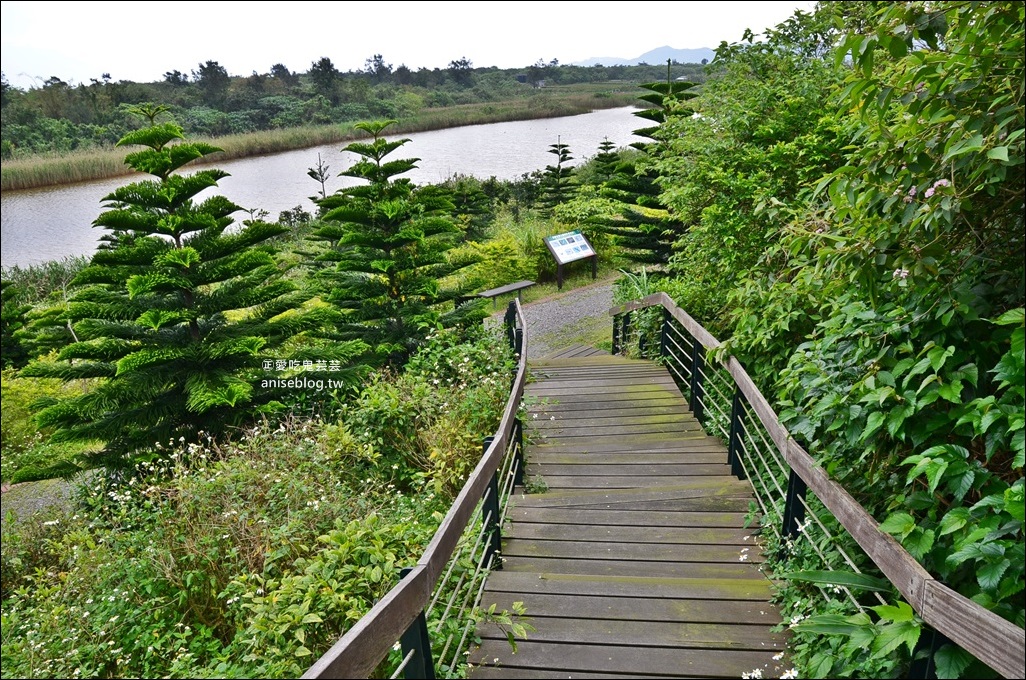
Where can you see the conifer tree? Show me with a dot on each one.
(644, 228)
(556, 180)
(175, 315)
(12, 319)
(392, 244)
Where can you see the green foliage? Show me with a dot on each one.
(392, 244)
(173, 312)
(425, 425)
(246, 558)
(12, 320)
(26, 453)
(736, 165)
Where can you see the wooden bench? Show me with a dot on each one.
(517, 287)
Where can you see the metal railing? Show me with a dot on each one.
(424, 622)
(805, 515)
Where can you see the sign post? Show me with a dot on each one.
(570, 247)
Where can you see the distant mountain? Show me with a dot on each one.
(656, 56)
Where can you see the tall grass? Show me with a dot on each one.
(29, 173)
(34, 283)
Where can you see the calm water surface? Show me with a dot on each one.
(56, 222)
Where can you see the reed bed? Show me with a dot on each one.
(30, 173)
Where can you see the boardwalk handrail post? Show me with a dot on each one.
(518, 342)
(625, 332)
(794, 506)
(664, 333)
(697, 362)
(737, 415)
(490, 516)
(616, 334)
(417, 640)
(518, 462)
(510, 323)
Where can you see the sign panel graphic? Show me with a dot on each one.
(569, 247)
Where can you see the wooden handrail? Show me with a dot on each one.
(363, 646)
(993, 640)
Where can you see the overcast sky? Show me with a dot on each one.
(140, 41)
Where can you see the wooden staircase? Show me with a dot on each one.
(628, 544)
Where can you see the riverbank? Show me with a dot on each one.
(32, 173)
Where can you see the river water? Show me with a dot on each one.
(56, 222)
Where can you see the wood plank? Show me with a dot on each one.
(584, 389)
(675, 458)
(682, 488)
(603, 631)
(688, 443)
(587, 420)
(669, 587)
(630, 534)
(641, 438)
(696, 519)
(660, 661)
(596, 468)
(598, 482)
(737, 504)
(715, 570)
(567, 429)
(676, 553)
(628, 409)
(504, 673)
(640, 609)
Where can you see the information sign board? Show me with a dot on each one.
(569, 247)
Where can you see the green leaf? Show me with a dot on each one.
(873, 423)
(312, 618)
(1013, 317)
(848, 579)
(989, 575)
(303, 651)
(828, 624)
(919, 542)
(950, 661)
(998, 153)
(898, 524)
(900, 611)
(954, 520)
(1014, 502)
(894, 635)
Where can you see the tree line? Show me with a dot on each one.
(58, 116)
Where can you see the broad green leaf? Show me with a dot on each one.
(998, 153)
(303, 651)
(898, 524)
(919, 542)
(312, 618)
(1014, 502)
(873, 423)
(898, 612)
(1012, 317)
(989, 575)
(894, 635)
(935, 472)
(950, 661)
(954, 520)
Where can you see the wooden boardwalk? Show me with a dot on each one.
(631, 558)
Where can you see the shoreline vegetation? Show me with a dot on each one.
(97, 164)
